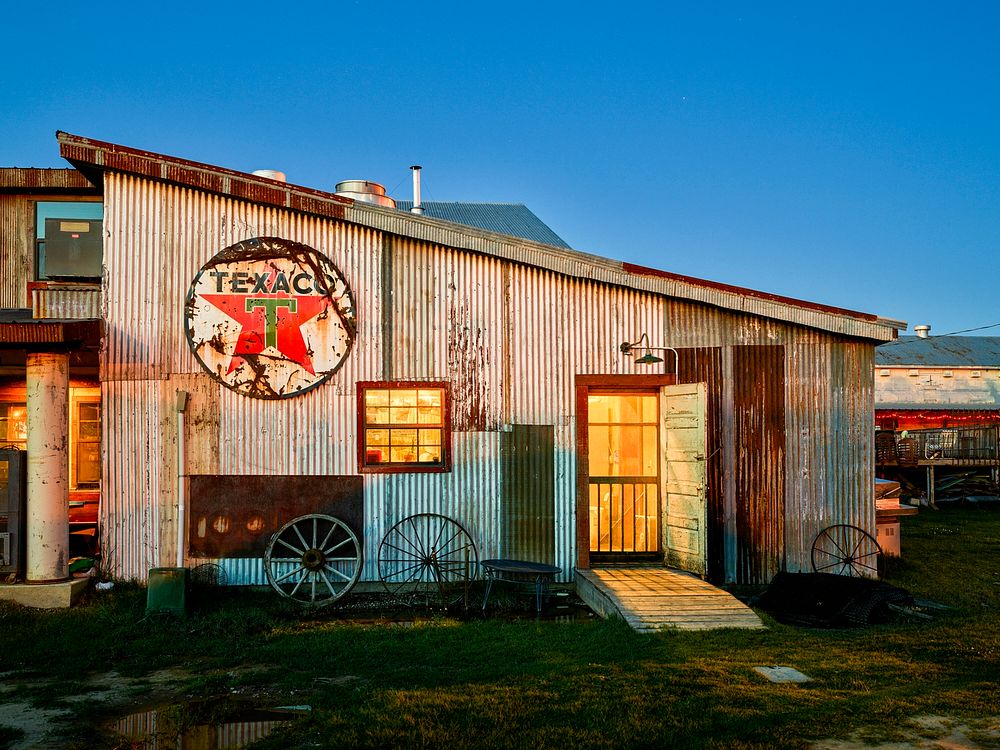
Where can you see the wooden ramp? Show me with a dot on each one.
(657, 598)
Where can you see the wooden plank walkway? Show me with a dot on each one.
(656, 598)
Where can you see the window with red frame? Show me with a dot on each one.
(404, 427)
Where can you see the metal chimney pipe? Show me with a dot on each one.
(417, 208)
(922, 331)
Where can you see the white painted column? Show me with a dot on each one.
(48, 467)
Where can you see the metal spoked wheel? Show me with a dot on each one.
(313, 560)
(846, 550)
(428, 559)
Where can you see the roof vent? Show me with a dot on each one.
(922, 331)
(271, 174)
(365, 191)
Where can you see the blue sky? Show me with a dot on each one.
(845, 153)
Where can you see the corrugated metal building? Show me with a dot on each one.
(492, 379)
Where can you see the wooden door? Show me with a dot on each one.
(685, 507)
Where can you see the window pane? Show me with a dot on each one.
(90, 431)
(88, 464)
(404, 437)
(430, 454)
(90, 412)
(429, 415)
(430, 437)
(403, 415)
(402, 398)
(377, 437)
(403, 455)
(377, 416)
(430, 398)
(376, 398)
(649, 403)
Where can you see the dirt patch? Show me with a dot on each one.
(931, 732)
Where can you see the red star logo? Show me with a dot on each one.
(270, 321)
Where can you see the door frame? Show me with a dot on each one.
(584, 383)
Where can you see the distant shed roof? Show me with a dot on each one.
(513, 219)
(940, 351)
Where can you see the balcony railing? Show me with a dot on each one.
(944, 444)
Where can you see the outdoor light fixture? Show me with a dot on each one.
(648, 358)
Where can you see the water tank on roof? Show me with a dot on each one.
(365, 191)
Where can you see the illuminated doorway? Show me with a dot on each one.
(624, 474)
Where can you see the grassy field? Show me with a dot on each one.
(492, 683)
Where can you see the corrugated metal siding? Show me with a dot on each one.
(132, 501)
(17, 257)
(527, 503)
(759, 436)
(66, 301)
(510, 339)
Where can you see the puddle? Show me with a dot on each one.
(205, 725)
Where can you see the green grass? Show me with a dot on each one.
(444, 683)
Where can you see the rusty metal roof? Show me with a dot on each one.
(940, 351)
(94, 157)
(30, 180)
(513, 219)
(17, 332)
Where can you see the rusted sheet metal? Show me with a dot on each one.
(235, 516)
(270, 318)
(65, 301)
(447, 321)
(33, 180)
(829, 421)
(759, 433)
(527, 504)
(159, 236)
(56, 334)
(94, 157)
(17, 257)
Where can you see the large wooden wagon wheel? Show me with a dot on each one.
(846, 550)
(313, 560)
(428, 559)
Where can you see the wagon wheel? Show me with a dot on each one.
(428, 559)
(846, 550)
(313, 560)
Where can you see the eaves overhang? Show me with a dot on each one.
(50, 335)
(93, 157)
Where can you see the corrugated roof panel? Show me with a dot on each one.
(514, 219)
(940, 351)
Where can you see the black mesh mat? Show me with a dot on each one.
(825, 600)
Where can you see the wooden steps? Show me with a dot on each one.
(655, 598)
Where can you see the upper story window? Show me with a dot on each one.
(69, 239)
(404, 427)
(14, 425)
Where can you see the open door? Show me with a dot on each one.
(685, 506)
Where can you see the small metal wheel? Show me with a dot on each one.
(846, 550)
(313, 560)
(428, 559)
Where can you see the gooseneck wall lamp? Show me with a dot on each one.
(629, 349)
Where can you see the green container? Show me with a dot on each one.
(167, 590)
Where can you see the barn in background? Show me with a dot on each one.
(267, 349)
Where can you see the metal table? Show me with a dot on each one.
(519, 571)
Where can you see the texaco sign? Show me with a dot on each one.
(270, 318)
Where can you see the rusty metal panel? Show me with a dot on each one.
(447, 321)
(759, 433)
(66, 301)
(32, 179)
(235, 516)
(527, 499)
(17, 244)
